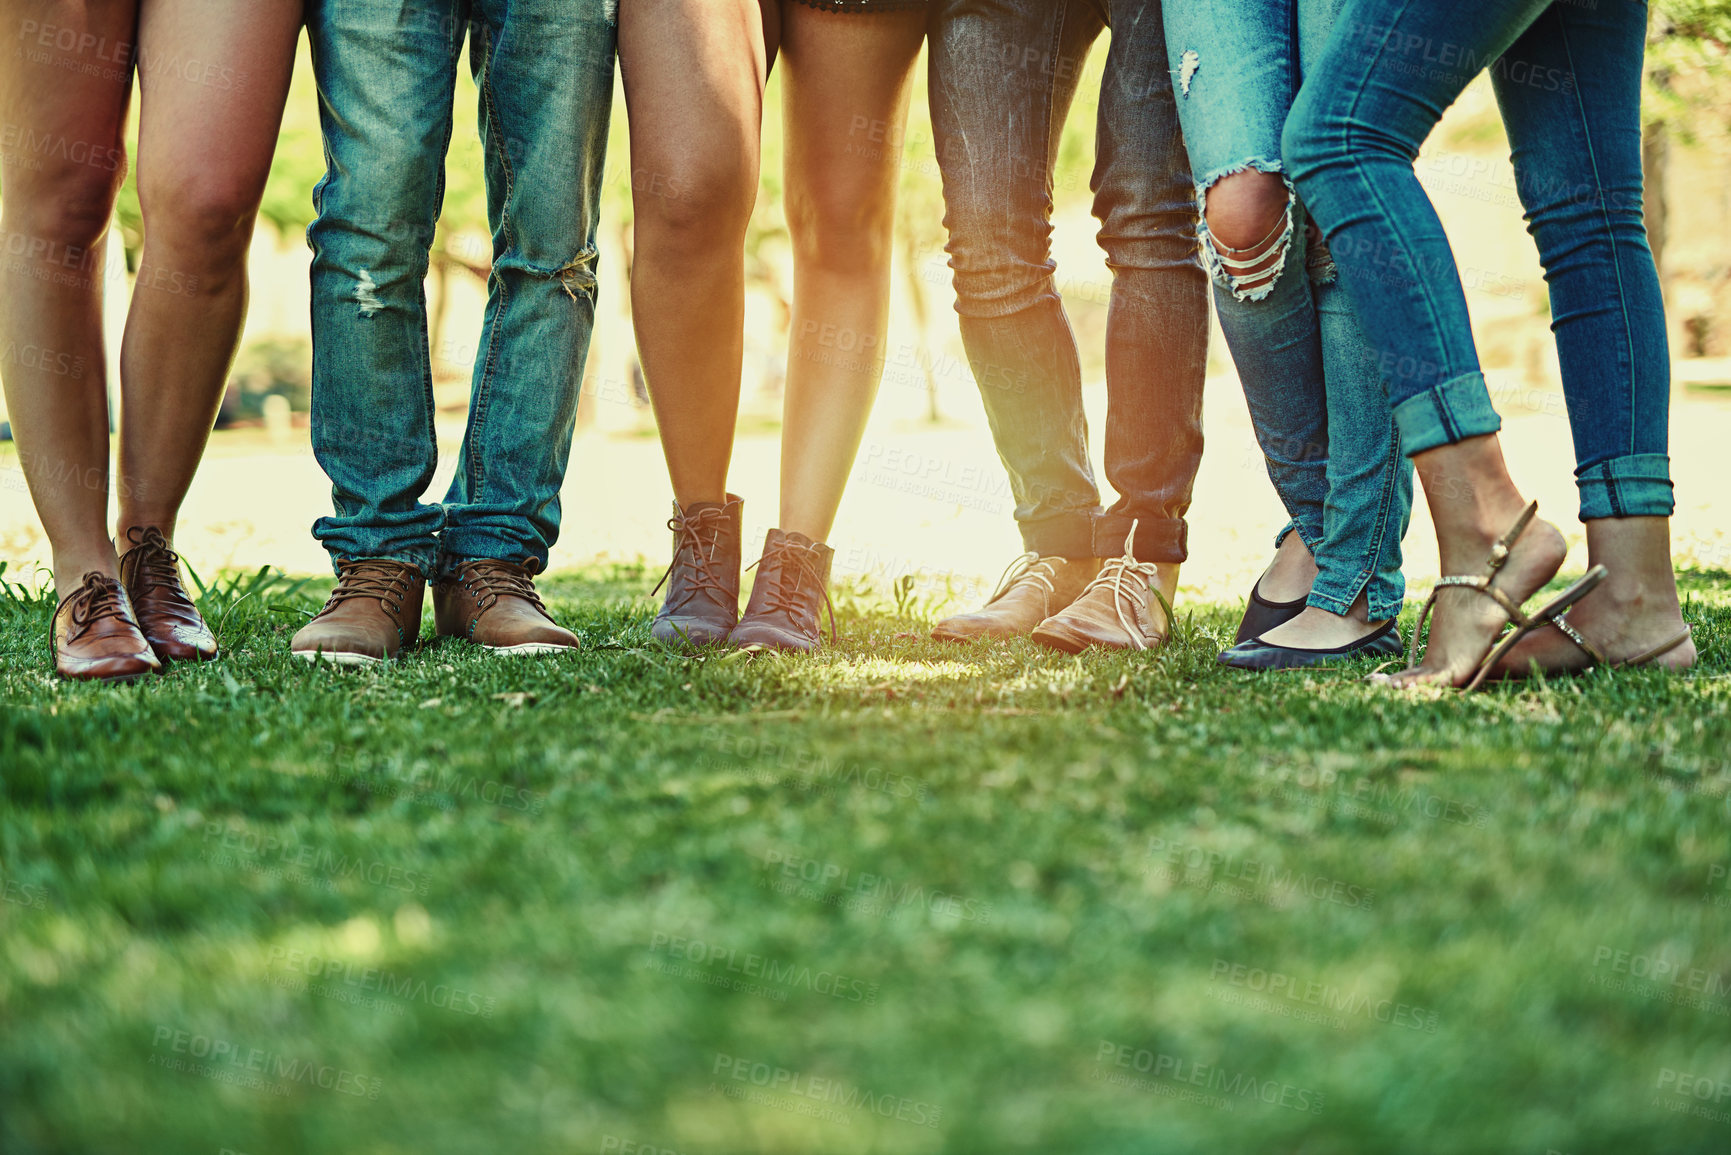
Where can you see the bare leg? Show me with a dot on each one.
(1634, 609)
(204, 149)
(59, 198)
(694, 72)
(1473, 502)
(848, 80)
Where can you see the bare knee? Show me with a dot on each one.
(1244, 208)
(696, 207)
(70, 209)
(1249, 232)
(199, 225)
(841, 226)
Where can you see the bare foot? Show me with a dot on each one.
(1318, 629)
(1632, 611)
(1465, 623)
(1292, 572)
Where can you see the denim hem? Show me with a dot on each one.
(1638, 485)
(424, 561)
(1453, 411)
(1161, 540)
(1310, 536)
(489, 547)
(1067, 535)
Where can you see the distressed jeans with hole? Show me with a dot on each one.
(1319, 408)
(387, 73)
(1003, 75)
(1567, 79)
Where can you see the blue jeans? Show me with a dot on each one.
(387, 73)
(1568, 81)
(1003, 75)
(1320, 410)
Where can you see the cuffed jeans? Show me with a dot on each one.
(386, 72)
(1320, 411)
(1003, 75)
(1568, 82)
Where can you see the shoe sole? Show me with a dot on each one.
(1061, 639)
(528, 649)
(1057, 640)
(337, 658)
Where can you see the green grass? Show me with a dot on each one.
(965, 882)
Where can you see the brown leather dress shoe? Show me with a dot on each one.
(372, 614)
(1116, 611)
(96, 638)
(702, 581)
(150, 571)
(792, 586)
(494, 604)
(1032, 589)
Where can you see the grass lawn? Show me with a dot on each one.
(899, 897)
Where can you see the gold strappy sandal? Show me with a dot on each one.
(1522, 622)
(1564, 627)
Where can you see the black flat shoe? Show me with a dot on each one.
(1262, 615)
(1257, 654)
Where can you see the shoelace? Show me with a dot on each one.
(1028, 569)
(1114, 574)
(387, 581)
(491, 580)
(794, 563)
(158, 565)
(691, 530)
(98, 598)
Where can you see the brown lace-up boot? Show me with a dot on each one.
(703, 579)
(792, 585)
(1120, 610)
(96, 638)
(1032, 589)
(494, 604)
(150, 571)
(372, 614)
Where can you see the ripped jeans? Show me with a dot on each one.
(1319, 407)
(387, 73)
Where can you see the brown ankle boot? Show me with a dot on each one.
(1118, 610)
(150, 571)
(792, 585)
(372, 614)
(96, 638)
(1032, 589)
(703, 579)
(494, 604)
